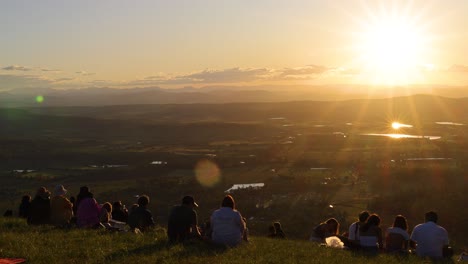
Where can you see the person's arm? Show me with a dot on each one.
(379, 237)
(194, 225)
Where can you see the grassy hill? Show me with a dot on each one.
(49, 245)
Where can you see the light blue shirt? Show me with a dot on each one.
(228, 226)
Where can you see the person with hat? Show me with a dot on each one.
(183, 222)
(39, 212)
(61, 209)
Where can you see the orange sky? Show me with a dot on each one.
(79, 44)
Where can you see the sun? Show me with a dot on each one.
(392, 46)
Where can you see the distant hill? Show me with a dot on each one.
(212, 94)
(412, 109)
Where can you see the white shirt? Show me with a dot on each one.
(353, 232)
(430, 239)
(228, 226)
(398, 230)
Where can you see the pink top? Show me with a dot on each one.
(88, 213)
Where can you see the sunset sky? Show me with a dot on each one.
(122, 44)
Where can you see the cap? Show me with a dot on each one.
(189, 200)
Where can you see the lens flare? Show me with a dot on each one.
(207, 173)
(39, 99)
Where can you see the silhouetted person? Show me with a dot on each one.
(397, 237)
(61, 209)
(84, 193)
(119, 213)
(39, 212)
(353, 232)
(23, 210)
(87, 213)
(141, 218)
(227, 223)
(429, 237)
(183, 222)
(371, 234)
(326, 229)
(279, 230)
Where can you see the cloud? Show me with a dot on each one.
(85, 73)
(49, 70)
(10, 81)
(16, 68)
(232, 75)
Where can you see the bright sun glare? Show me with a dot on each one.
(391, 46)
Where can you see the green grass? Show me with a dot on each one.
(46, 244)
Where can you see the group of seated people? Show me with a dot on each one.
(84, 211)
(226, 225)
(428, 239)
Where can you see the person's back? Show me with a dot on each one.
(39, 211)
(61, 211)
(119, 213)
(183, 221)
(227, 224)
(397, 237)
(140, 217)
(430, 238)
(88, 213)
(395, 242)
(353, 231)
(23, 210)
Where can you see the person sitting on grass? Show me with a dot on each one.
(140, 218)
(397, 237)
(105, 215)
(326, 229)
(429, 239)
(353, 232)
(227, 224)
(23, 210)
(183, 223)
(119, 212)
(39, 212)
(371, 234)
(87, 214)
(61, 208)
(279, 230)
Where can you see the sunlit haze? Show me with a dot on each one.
(173, 44)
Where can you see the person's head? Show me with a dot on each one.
(363, 216)
(373, 219)
(43, 193)
(189, 201)
(60, 190)
(117, 205)
(228, 201)
(431, 216)
(26, 199)
(277, 225)
(107, 206)
(332, 225)
(84, 189)
(143, 200)
(400, 221)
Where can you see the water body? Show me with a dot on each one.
(402, 136)
(450, 123)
